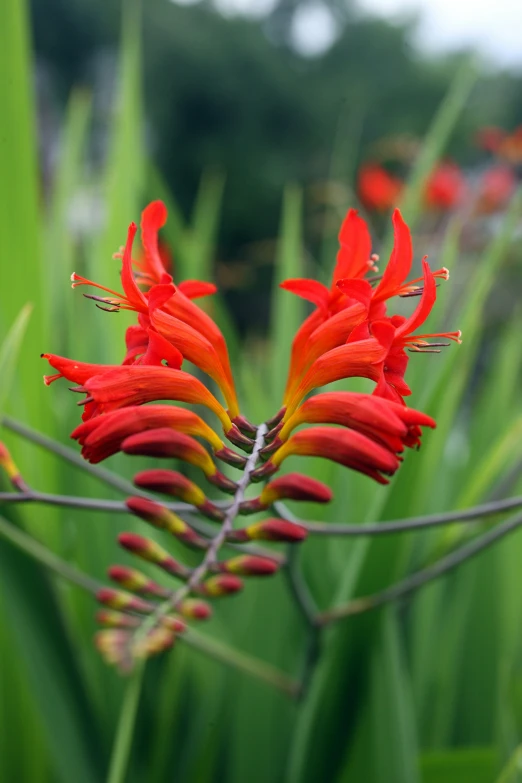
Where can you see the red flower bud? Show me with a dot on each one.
(221, 584)
(153, 553)
(164, 442)
(172, 483)
(113, 619)
(195, 609)
(118, 599)
(270, 530)
(159, 516)
(248, 565)
(13, 474)
(295, 486)
(134, 580)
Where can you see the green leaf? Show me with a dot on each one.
(9, 352)
(462, 765)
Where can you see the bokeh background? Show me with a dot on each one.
(252, 121)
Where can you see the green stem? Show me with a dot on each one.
(121, 750)
(403, 525)
(420, 578)
(45, 557)
(238, 660)
(122, 485)
(513, 766)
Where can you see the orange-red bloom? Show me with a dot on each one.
(445, 188)
(377, 189)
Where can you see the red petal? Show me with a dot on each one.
(311, 290)
(353, 258)
(153, 217)
(195, 289)
(399, 265)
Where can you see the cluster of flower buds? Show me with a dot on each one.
(379, 190)
(129, 408)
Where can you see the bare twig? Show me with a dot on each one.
(403, 525)
(420, 578)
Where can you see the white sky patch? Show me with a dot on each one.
(493, 27)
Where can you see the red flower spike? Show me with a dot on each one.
(332, 333)
(194, 346)
(377, 189)
(172, 483)
(153, 553)
(386, 422)
(353, 359)
(118, 599)
(347, 447)
(162, 518)
(221, 585)
(135, 385)
(248, 565)
(195, 609)
(355, 247)
(163, 442)
(270, 530)
(133, 580)
(103, 436)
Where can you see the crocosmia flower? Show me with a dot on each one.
(445, 188)
(153, 405)
(377, 189)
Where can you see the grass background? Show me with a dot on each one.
(426, 692)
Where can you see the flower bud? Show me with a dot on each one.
(153, 553)
(194, 608)
(160, 517)
(133, 580)
(174, 623)
(113, 619)
(172, 483)
(221, 584)
(295, 486)
(13, 474)
(270, 530)
(118, 599)
(248, 565)
(113, 645)
(156, 641)
(164, 442)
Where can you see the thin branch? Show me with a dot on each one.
(119, 507)
(420, 578)
(121, 484)
(402, 525)
(86, 504)
(216, 543)
(218, 650)
(45, 557)
(238, 660)
(298, 586)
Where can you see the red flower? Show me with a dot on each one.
(445, 188)
(378, 190)
(495, 189)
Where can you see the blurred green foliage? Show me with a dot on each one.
(425, 692)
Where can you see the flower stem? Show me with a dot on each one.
(123, 741)
(215, 545)
(403, 525)
(412, 583)
(121, 484)
(238, 660)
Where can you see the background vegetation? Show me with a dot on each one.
(419, 692)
